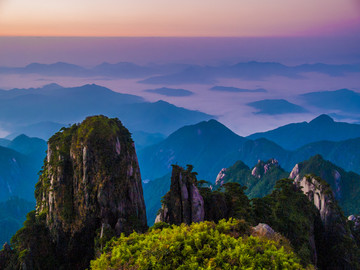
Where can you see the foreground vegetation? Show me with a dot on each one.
(206, 245)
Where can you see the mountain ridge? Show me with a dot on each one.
(321, 128)
(24, 107)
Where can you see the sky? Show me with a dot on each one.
(210, 18)
(21, 51)
(202, 32)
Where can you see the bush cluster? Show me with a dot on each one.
(205, 245)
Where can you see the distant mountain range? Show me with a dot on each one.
(276, 106)
(29, 109)
(322, 128)
(169, 74)
(249, 70)
(342, 104)
(203, 144)
(198, 145)
(237, 90)
(20, 162)
(143, 139)
(170, 92)
(12, 215)
(342, 100)
(42, 130)
(213, 143)
(117, 70)
(153, 192)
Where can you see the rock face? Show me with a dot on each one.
(335, 233)
(183, 203)
(263, 229)
(259, 180)
(345, 185)
(320, 194)
(356, 220)
(90, 185)
(262, 168)
(219, 178)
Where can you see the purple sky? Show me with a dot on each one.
(19, 51)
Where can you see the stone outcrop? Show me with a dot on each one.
(356, 220)
(259, 180)
(219, 178)
(320, 194)
(90, 184)
(183, 203)
(335, 230)
(262, 168)
(344, 185)
(263, 229)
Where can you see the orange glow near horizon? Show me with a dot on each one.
(248, 18)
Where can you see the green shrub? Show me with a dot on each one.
(203, 245)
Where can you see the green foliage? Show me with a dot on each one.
(289, 212)
(238, 202)
(203, 245)
(103, 235)
(159, 226)
(345, 185)
(257, 185)
(229, 201)
(32, 244)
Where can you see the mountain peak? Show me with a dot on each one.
(322, 119)
(98, 187)
(51, 86)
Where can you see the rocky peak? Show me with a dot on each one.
(294, 174)
(220, 177)
(344, 185)
(183, 203)
(335, 230)
(323, 119)
(90, 181)
(319, 193)
(262, 168)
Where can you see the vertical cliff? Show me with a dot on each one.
(189, 200)
(90, 188)
(345, 185)
(335, 243)
(183, 203)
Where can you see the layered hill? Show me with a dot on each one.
(12, 216)
(212, 143)
(260, 180)
(20, 163)
(201, 144)
(322, 128)
(21, 109)
(343, 101)
(247, 70)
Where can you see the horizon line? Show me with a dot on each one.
(209, 37)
